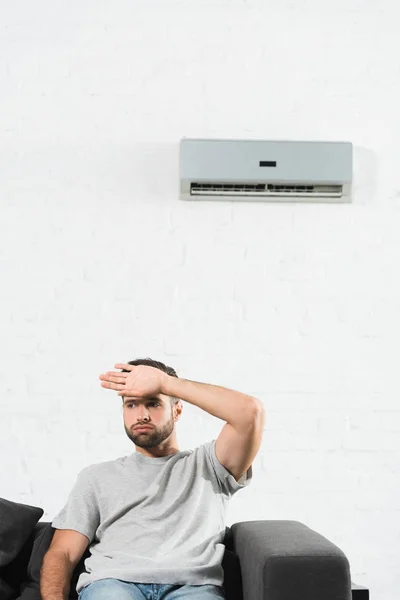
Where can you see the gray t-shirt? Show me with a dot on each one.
(153, 520)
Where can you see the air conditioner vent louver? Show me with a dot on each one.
(261, 189)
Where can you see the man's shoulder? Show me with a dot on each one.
(103, 466)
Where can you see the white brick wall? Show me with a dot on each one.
(100, 262)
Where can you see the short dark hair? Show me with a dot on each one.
(158, 365)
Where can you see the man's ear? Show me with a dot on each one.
(179, 408)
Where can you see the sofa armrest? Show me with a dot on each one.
(286, 560)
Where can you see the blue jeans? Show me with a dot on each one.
(110, 589)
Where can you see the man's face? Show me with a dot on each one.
(156, 412)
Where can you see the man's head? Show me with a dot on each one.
(160, 412)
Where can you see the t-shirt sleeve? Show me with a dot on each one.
(81, 512)
(229, 484)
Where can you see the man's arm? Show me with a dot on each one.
(59, 562)
(55, 576)
(230, 406)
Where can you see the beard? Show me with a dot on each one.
(152, 437)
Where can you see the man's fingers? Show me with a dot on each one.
(117, 374)
(116, 377)
(112, 386)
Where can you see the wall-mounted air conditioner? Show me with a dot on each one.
(269, 171)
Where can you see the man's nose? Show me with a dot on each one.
(143, 413)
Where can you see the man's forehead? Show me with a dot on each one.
(142, 399)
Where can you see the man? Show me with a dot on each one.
(155, 519)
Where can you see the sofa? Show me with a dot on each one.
(263, 560)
